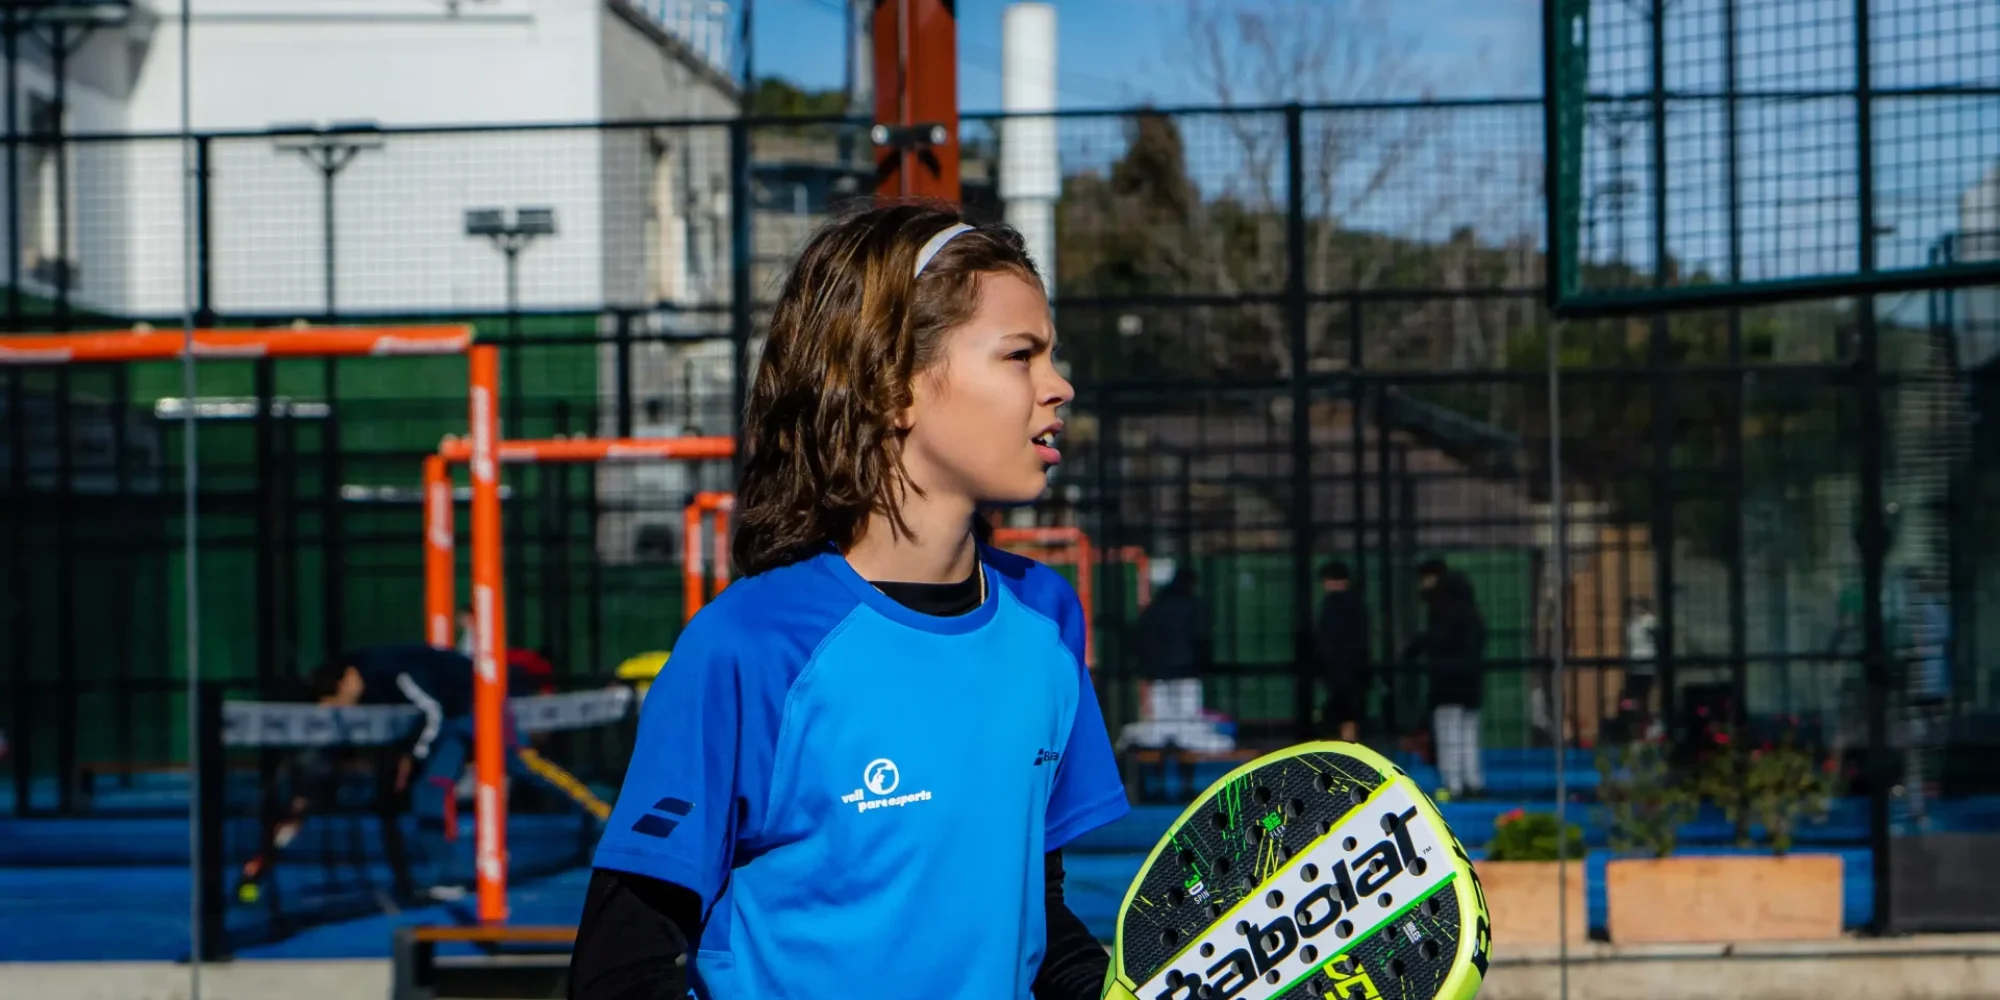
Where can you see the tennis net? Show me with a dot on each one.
(305, 821)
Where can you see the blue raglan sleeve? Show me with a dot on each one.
(678, 814)
(1088, 791)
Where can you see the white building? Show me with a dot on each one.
(641, 214)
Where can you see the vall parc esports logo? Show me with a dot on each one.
(879, 781)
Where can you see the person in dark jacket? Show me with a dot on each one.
(1341, 642)
(1172, 643)
(1453, 645)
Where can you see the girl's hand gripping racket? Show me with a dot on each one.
(1320, 871)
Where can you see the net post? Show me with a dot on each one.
(1142, 565)
(691, 561)
(490, 635)
(211, 785)
(720, 571)
(438, 543)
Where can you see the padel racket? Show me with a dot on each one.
(1320, 871)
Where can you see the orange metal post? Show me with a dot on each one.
(455, 449)
(916, 81)
(490, 636)
(438, 571)
(695, 575)
(1071, 546)
(598, 449)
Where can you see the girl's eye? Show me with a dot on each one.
(1021, 355)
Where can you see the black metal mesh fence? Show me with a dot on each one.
(1299, 335)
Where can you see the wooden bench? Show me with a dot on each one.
(518, 961)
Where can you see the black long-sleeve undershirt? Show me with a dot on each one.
(638, 934)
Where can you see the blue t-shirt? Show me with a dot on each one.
(862, 793)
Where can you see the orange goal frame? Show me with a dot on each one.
(303, 340)
(440, 573)
(1066, 545)
(694, 584)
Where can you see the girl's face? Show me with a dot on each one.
(982, 423)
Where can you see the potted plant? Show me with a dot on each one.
(1646, 800)
(1766, 790)
(1520, 876)
(1769, 787)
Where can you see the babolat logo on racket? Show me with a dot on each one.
(1368, 871)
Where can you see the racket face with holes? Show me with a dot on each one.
(1320, 871)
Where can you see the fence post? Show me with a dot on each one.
(204, 262)
(69, 701)
(739, 282)
(264, 378)
(211, 781)
(1301, 363)
(622, 377)
(10, 33)
(1872, 531)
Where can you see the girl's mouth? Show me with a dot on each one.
(1045, 447)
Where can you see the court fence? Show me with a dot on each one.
(1300, 335)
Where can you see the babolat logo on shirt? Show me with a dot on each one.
(1345, 886)
(665, 815)
(879, 780)
(1046, 757)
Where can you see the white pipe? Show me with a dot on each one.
(1030, 172)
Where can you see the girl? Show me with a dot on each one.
(855, 775)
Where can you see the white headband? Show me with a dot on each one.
(937, 243)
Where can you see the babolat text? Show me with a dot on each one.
(1342, 888)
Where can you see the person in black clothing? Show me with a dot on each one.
(439, 683)
(1172, 646)
(1341, 640)
(1453, 644)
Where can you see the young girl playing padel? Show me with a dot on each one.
(856, 773)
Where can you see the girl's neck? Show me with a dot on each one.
(938, 549)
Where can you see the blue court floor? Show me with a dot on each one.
(118, 887)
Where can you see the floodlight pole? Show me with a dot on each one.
(330, 150)
(10, 34)
(511, 236)
(511, 233)
(68, 30)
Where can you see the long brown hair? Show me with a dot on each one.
(853, 327)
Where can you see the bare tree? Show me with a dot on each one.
(1376, 177)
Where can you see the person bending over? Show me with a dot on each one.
(857, 772)
(439, 683)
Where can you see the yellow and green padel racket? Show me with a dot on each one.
(1320, 871)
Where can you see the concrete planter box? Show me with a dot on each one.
(1724, 899)
(1521, 899)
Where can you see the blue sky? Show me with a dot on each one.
(1123, 52)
